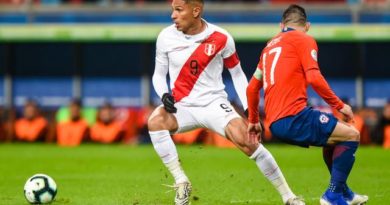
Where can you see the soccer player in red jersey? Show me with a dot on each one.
(194, 53)
(288, 64)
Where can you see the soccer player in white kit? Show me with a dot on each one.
(194, 53)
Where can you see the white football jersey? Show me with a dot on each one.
(195, 63)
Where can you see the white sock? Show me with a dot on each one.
(166, 149)
(268, 166)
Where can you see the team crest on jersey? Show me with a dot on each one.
(209, 49)
(324, 119)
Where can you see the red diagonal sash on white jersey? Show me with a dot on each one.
(196, 64)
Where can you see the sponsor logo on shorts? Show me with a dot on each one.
(324, 119)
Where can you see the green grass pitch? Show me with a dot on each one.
(127, 175)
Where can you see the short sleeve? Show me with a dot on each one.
(230, 47)
(308, 53)
(229, 54)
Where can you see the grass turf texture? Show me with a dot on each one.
(118, 174)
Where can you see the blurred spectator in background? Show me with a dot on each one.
(129, 118)
(107, 129)
(14, 2)
(202, 136)
(358, 122)
(214, 139)
(383, 135)
(142, 123)
(370, 120)
(73, 131)
(306, 1)
(361, 125)
(190, 137)
(31, 126)
(2, 125)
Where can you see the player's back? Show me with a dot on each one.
(284, 61)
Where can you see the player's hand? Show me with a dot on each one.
(169, 103)
(347, 112)
(254, 132)
(246, 113)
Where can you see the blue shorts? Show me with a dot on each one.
(307, 128)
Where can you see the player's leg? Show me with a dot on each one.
(223, 119)
(343, 132)
(160, 124)
(312, 127)
(351, 197)
(339, 155)
(236, 131)
(327, 155)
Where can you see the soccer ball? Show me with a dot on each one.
(40, 189)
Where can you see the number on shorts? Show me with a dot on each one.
(225, 107)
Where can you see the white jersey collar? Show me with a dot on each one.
(200, 36)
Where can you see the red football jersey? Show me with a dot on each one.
(284, 63)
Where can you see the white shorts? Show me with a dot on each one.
(214, 116)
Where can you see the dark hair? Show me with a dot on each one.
(107, 105)
(76, 101)
(31, 102)
(194, 1)
(294, 14)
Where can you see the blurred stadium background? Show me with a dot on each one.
(99, 51)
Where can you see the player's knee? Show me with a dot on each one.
(156, 123)
(245, 145)
(248, 151)
(241, 142)
(353, 134)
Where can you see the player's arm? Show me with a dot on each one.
(159, 78)
(239, 81)
(319, 84)
(253, 93)
(308, 53)
(232, 63)
(253, 97)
